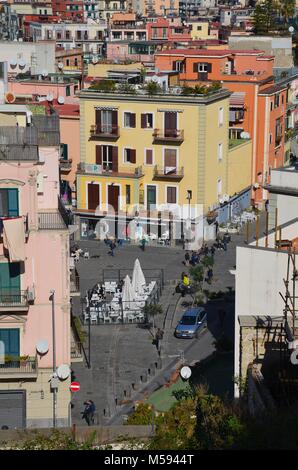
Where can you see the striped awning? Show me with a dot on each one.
(237, 99)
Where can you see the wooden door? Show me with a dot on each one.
(170, 124)
(113, 197)
(93, 196)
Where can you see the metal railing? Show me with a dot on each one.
(74, 283)
(65, 164)
(168, 172)
(51, 221)
(10, 298)
(19, 365)
(104, 131)
(63, 212)
(169, 134)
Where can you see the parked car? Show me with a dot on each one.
(192, 321)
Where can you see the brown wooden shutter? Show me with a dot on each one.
(143, 121)
(132, 155)
(209, 67)
(93, 196)
(149, 157)
(115, 159)
(174, 64)
(195, 67)
(114, 122)
(98, 119)
(98, 154)
(132, 120)
(171, 195)
(170, 157)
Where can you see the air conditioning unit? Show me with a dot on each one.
(93, 168)
(31, 294)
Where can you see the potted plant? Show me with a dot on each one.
(24, 360)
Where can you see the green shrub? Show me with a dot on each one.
(104, 85)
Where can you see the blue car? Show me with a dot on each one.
(191, 323)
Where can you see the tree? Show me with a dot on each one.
(287, 9)
(142, 415)
(197, 273)
(264, 16)
(153, 88)
(56, 440)
(151, 310)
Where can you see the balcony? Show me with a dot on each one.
(19, 368)
(168, 135)
(168, 173)
(104, 132)
(122, 172)
(65, 165)
(14, 301)
(74, 284)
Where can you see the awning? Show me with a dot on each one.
(14, 238)
(237, 99)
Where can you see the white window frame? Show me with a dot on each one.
(219, 182)
(177, 194)
(153, 120)
(123, 155)
(145, 195)
(219, 151)
(153, 156)
(123, 123)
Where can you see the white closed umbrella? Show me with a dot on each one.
(128, 294)
(138, 278)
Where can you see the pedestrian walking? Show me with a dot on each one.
(158, 338)
(88, 413)
(112, 247)
(143, 243)
(187, 258)
(209, 275)
(224, 242)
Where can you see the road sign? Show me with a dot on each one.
(75, 386)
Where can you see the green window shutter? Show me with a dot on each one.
(13, 203)
(11, 340)
(10, 281)
(65, 152)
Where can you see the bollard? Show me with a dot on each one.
(152, 368)
(159, 363)
(144, 377)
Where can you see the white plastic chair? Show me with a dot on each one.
(94, 317)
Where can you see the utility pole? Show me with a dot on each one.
(54, 384)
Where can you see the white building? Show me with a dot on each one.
(33, 57)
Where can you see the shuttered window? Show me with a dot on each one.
(129, 156)
(9, 203)
(149, 157)
(170, 158)
(171, 195)
(129, 120)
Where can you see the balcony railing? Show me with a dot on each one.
(105, 131)
(168, 135)
(166, 172)
(65, 165)
(127, 171)
(14, 300)
(19, 367)
(51, 221)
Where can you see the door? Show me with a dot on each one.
(10, 282)
(11, 339)
(106, 122)
(13, 409)
(113, 197)
(93, 196)
(151, 197)
(170, 124)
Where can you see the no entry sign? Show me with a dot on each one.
(75, 386)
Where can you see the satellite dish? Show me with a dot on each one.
(44, 73)
(291, 29)
(50, 97)
(185, 372)
(63, 371)
(13, 62)
(60, 65)
(10, 97)
(61, 99)
(42, 346)
(94, 60)
(245, 135)
(22, 64)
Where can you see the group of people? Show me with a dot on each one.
(89, 411)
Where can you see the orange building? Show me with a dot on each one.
(257, 106)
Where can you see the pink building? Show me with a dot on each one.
(34, 260)
(41, 88)
(168, 29)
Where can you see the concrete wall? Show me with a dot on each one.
(239, 167)
(37, 56)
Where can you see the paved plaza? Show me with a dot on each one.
(125, 365)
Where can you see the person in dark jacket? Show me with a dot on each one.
(88, 413)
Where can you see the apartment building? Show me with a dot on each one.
(69, 9)
(34, 251)
(33, 57)
(258, 105)
(142, 151)
(154, 7)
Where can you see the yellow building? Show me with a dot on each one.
(200, 30)
(139, 152)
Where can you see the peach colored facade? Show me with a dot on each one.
(163, 28)
(40, 88)
(248, 74)
(45, 268)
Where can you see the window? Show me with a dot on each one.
(202, 67)
(67, 34)
(148, 157)
(9, 203)
(129, 156)
(276, 100)
(10, 281)
(278, 132)
(170, 160)
(67, 62)
(68, 90)
(219, 151)
(178, 65)
(220, 117)
(147, 121)
(171, 195)
(129, 120)
(271, 106)
(199, 28)
(106, 121)
(64, 151)
(11, 339)
(219, 187)
(76, 62)
(127, 193)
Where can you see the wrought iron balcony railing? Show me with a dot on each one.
(168, 135)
